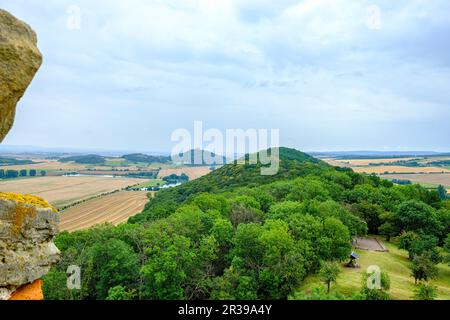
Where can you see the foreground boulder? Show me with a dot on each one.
(19, 61)
(27, 252)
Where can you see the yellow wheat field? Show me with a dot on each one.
(435, 179)
(115, 208)
(63, 191)
(399, 169)
(363, 162)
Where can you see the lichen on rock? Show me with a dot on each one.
(26, 199)
(27, 251)
(19, 61)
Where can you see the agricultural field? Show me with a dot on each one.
(63, 191)
(427, 180)
(399, 169)
(115, 208)
(427, 171)
(54, 165)
(50, 165)
(363, 162)
(395, 263)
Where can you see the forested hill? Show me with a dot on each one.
(293, 163)
(235, 234)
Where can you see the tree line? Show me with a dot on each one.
(12, 174)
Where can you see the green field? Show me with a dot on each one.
(395, 263)
(116, 163)
(152, 183)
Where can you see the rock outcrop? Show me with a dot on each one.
(27, 252)
(27, 224)
(19, 61)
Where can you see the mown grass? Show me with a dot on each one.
(152, 183)
(395, 263)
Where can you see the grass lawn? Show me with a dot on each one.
(395, 263)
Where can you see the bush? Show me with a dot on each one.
(425, 291)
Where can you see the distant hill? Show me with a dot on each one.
(12, 162)
(87, 159)
(195, 154)
(293, 164)
(140, 157)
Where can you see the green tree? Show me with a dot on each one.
(120, 293)
(329, 273)
(113, 263)
(444, 222)
(283, 210)
(447, 248)
(32, 173)
(372, 292)
(370, 213)
(270, 256)
(234, 285)
(423, 268)
(206, 201)
(334, 244)
(416, 216)
(417, 244)
(23, 173)
(55, 286)
(2, 173)
(11, 174)
(307, 189)
(389, 227)
(425, 291)
(241, 214)
(223, 233)
(442, 192)
(43, 173)
(282, 265)
(168, 268)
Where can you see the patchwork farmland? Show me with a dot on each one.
(425, 179)
(192, 172)
(64, 191)
(114, 208)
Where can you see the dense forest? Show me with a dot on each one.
(235, 234)
(139, 157)
(86, 159)
(12, 162)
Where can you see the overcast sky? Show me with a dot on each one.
(331, 75)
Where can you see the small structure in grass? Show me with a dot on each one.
(353, 258)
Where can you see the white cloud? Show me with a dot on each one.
(157, 65)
